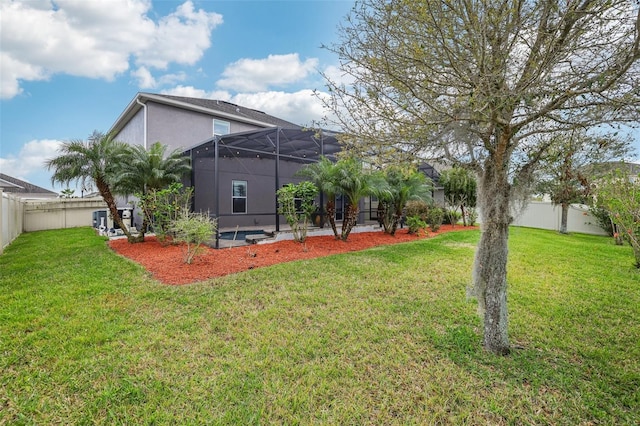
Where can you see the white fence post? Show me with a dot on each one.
(11, 218)
(2, 237)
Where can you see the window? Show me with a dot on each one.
(239, 196)
(221, 127)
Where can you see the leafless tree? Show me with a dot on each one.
(569, 168)
(480, 83)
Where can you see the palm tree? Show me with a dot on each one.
(400, 186)
(140, 171)
(324, 174)
(459, 189)
(353, 183)
(91, 162)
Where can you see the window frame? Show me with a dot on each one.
(223, 122)
(239, 197)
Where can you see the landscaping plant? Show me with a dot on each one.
(193, 230)
(415, 224)
(397, 187)
(139, 171)
(161, 207)
(323, 174)
(297, 204)
(459, 193)
(619, 194)
(435, 216)
(353, 182)
(92, 162)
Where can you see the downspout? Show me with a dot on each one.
(144, 106)
(277, 177)
(216, 187)
(323, 213)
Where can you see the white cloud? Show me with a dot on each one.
(192, 92)
(11, 70)
(255, 75)
(144, 78)
(147, 81)
(300, 107)
(95, 39)
(180, 37)
(30, 159)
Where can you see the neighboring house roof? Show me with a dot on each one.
(5, 185)
(213, 107)
(14, 185)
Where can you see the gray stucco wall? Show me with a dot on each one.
(180, 128)
(133, 132)
(259, 173)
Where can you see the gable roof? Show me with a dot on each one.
(208, 106)
(14, 185)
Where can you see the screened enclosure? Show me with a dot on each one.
(235, 177)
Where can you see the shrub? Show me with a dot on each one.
(472, 216)
(435, 216)
(417, 208)
(297, 204)
(451, 217)
(415, 224)
(161, 207)
(604, 219)
(193, 229)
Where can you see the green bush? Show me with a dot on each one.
(415, 224)
(451, 217)
(193, 229)
(604, 219)
(472, 216)
(161, 207)
(297, 204)
(417, 208)
(435, 216)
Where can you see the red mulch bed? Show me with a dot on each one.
(166, 265)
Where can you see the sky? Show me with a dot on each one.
(69, 67)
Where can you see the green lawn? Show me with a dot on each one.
(383, 336)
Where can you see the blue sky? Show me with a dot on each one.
(88, 58)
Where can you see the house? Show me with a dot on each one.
(240, 156)
(24, 189)
(182, 122)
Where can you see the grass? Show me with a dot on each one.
(383, 336)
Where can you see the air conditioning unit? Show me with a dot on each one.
(103, 222)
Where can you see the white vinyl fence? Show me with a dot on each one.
(19, 215)
(544, 215)
(11, 217)
(59, 213)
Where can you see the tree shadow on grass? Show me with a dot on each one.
(601, 394)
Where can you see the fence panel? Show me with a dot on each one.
(60, 213)
(544, 215)
(11, 218)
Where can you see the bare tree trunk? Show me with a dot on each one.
(563, 220)
(350, 219)
(397, 217)
(331, 215)
(490, 268)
